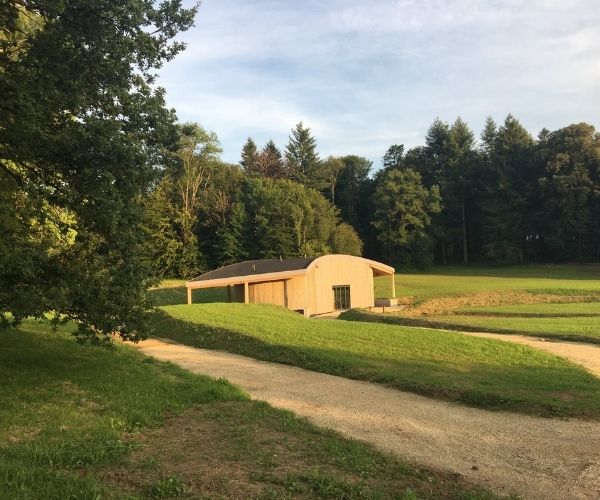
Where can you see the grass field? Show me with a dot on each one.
(478, 372)
(574, 328)
(85, 422)
(559, 302)
(457, 281)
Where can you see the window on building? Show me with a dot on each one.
(341, 297)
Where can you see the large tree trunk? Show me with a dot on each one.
(444, 257)
(464, 235)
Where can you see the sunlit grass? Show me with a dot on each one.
(452, 281)
(479, 372)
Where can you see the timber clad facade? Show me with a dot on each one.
(310, 286)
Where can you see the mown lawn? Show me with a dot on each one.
(575, 328)
(478, 372)
(453, 281)
(83, 422)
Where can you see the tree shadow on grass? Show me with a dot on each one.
(173, 296)
(525, 389)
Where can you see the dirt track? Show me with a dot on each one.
(534, 457)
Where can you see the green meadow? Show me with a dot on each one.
(459, 281)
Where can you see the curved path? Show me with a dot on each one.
(587, 355)
(535, 457)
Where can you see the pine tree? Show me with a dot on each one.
(394, 157)
(506, 202)
(570, 192)
(457, 190)
(270, 161)
(489, 135)
(231, 238)
(250, 156)
(303, 163)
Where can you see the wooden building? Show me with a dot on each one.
(311, 286)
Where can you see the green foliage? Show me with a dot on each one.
(303, 163)
(231, 237)
(507, 193)
(173, 207)
(249, 156)
(345, 240)
(403, 207)
(289, 220)
(82, 130)
(570, 191)
(270, 162)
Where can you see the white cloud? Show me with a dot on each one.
(365, 75)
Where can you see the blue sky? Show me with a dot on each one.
(367, 74)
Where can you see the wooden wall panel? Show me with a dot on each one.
(271, 292)
(296, 293)
(340, 270)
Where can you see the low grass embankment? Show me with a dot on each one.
(552, 310)
(89, 422)
(478, 372)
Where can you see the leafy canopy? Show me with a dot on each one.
(83, 130)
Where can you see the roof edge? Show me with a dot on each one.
(249, 278)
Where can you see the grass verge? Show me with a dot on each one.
(478, 372)
(89, 422)
(584, 329)
(68, 410)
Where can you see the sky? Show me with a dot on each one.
(364, 75)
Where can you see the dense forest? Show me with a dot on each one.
(103, 191)
(505, 198)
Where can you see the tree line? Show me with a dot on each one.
(204, 213)
(505, 198)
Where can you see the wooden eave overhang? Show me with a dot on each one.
(249, 278)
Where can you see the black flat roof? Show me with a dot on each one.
(255, 267)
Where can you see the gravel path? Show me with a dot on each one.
(535, 457)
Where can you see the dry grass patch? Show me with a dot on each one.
(248, 450)
(446, 305)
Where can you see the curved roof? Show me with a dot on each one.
(255, 267)
(254, 271)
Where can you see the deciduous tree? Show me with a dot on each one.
(83, 129)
